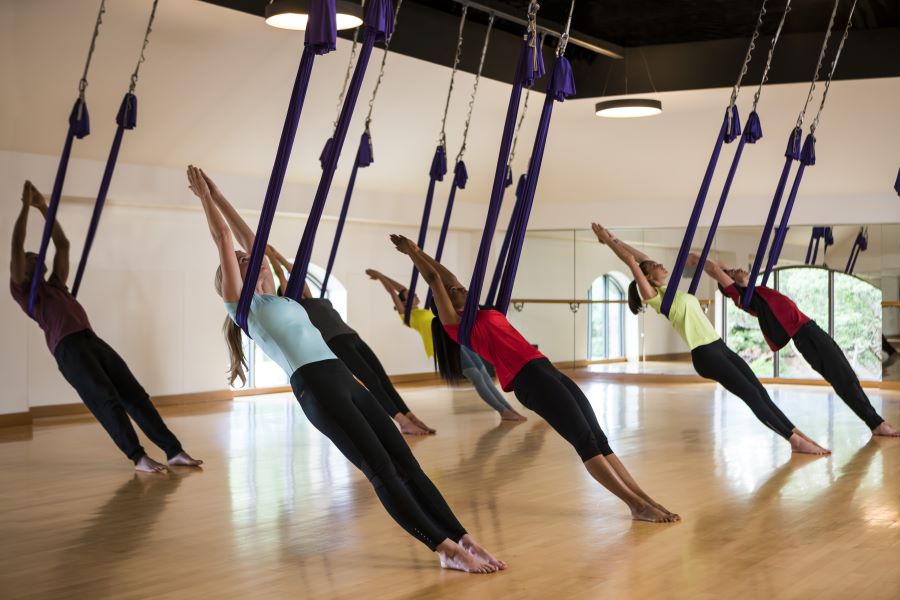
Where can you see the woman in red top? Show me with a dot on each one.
(537, 384)
(781, 321)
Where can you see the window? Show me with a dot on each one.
(606, 320)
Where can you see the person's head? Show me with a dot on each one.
(31, 259)
(458, 295)
(656, 275)
(243, 264)
(740, 276)
(404, 294)
(446, 353)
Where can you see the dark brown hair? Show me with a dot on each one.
(635, 302)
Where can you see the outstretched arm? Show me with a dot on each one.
(713, 269)
(17, 257)
(629, 258)
(242, 231)
(392, 287)
(60, 241)
(426, 265)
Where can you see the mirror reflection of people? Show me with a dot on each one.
(781, 321)
(100, 376)
(710, 356)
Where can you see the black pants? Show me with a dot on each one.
(350, 417)
(541, 387)
(718, 362)
(363, 363)
(111, 392)
(827, 358)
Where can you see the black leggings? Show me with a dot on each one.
(718, 362)
(541, 387)
(111, 392)
(826, 357)
(348, 415)
(363, 363)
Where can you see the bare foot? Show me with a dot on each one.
(675, 516)
(183, 459)
(648, 512)
(148, 465)
(419, 422)
(475, 549)
(511, 415)
(802, 445)
(407, 426)
(886, 429)
(452, 556)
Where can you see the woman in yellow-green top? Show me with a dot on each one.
(712, 359)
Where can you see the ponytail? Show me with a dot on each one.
(235, 343)
(446, 353)
(635, 302)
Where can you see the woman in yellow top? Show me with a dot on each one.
(711, 357)
(471, 365)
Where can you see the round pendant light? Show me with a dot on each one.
(628, 108)
(294, 14)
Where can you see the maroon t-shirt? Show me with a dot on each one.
(56, 310)
(779, 318)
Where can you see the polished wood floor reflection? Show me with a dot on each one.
(278, 513)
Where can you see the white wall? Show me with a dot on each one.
(148, 289)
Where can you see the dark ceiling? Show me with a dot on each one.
(667, 44)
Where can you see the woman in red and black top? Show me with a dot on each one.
(536, 382)
(781, 321)
(90, 365)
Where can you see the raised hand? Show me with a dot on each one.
(373, 274)
(197, 183)
(213, 188)
(603, 234)
(403, 244)
(693, 259)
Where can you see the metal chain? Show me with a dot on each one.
(564, 38)
(512, 150)
(484, 49)
(142, 58)
(442, 141)
(531, 32)
(747, 57)
(837, 55)
(765, 75)
(83, 83)
(340, 100)
(387, 46)
(812, 86)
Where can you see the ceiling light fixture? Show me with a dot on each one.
(294, 14)
(628, 108)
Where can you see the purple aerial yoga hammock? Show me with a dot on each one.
(364, 158)
(460, 178)
(379, 25)
(79, 127)
(125, 119)
(435, 174)
(528, 67)
(321, 37)
(562, 86)
(507, 239)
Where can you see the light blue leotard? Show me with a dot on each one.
(283, 330)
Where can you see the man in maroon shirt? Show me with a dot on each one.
(781, 321)
(90, 365)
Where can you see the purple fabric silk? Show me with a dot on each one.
(562, 86)
(364, 158)
(504, 247)
(125, 119)
(791, 153)
(316, 43)
(435, 173)
(460, 178)
(378, 25)
(752, 134)
(728, 132)
(79, 127)
(524, 73)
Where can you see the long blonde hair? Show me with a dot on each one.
(234, 341)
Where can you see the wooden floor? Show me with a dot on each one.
(278, 513)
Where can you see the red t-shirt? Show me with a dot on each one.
(779, 318)
(498, 342)
(56, 311)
